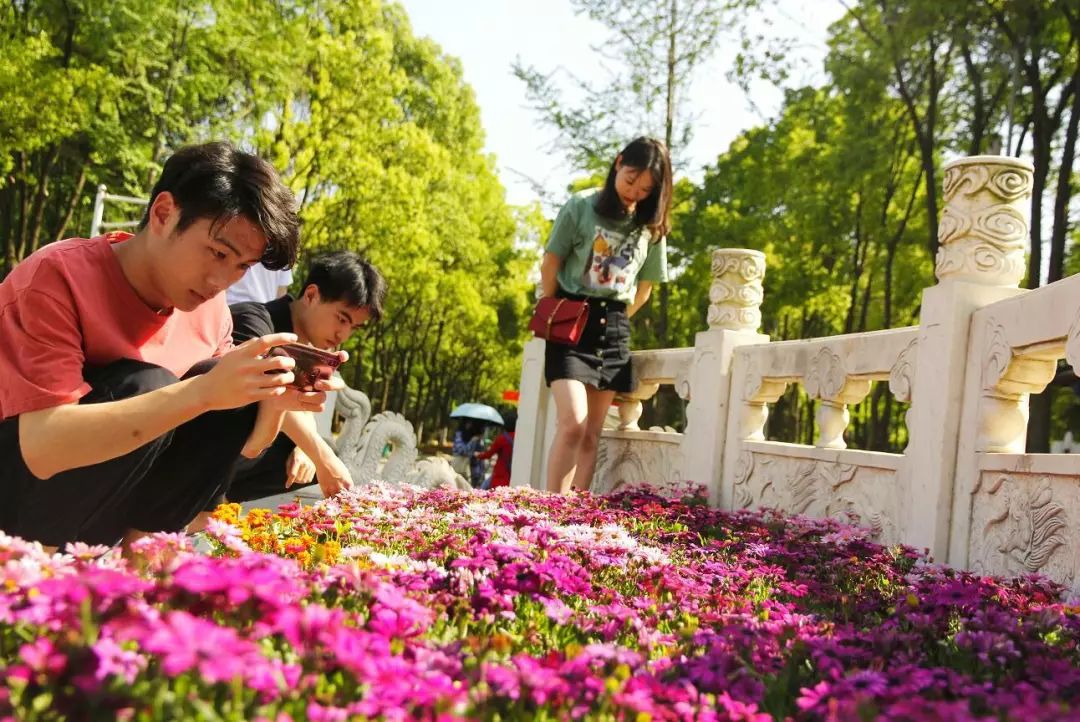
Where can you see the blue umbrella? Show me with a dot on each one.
(479, 412)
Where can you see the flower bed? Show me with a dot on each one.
(401, 604)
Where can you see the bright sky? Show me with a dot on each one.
(487, 36)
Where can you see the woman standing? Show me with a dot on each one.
(502, 448)
(607, 248)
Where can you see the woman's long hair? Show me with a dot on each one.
(653, 212)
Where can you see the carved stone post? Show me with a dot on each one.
(530, 440)
(736, 292)
(734, 318)
(983, 234)
(983, 231)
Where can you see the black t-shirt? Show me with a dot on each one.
(252, 319)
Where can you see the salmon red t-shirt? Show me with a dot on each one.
(69, 305)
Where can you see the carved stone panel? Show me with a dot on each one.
(626, 462)
(1024, 523)
(854, 494)
(902, 374)
(826, 376)
(1072, 343)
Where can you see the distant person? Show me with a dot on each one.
(607, 248)
(342, 293)
(502, 448)
(260, 285)
(468, 441)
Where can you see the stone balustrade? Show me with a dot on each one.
(964, 488)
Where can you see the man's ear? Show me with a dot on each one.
(164, 214)
(311, 293)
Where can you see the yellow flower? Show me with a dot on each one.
(257, 518)
(228, 513)
(329, 552)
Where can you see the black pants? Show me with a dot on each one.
(160, 486)
(265, 475)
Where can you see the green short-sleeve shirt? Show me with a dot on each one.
(602, 257)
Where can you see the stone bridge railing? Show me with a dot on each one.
(964, 487)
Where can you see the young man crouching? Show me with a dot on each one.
(342, 292)
(123, 404)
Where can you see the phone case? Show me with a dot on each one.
(311, 363)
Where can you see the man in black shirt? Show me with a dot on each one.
(341, 293)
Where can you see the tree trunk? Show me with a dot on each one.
(925, 128)
(1041, 156)
(1038, 432)
(24, 208)
(1063, 196)
(73, 203)
(978, 113)
(669, 133)
(865, 303)
(856, 267)
(179, 43)
(40, 196)
(890, 255)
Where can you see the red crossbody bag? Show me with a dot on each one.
(559, 320)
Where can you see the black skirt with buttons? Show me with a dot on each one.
(601, 358)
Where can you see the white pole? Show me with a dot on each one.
(99, 211)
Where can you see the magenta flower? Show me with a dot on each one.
(41, 655)
(115, 661)
(184, 642)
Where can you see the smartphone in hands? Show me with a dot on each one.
(311, 364)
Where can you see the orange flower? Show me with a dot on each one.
(228, 513)
(329, 552)
(257, 518)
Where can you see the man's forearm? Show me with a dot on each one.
(301, 428)
(75, 435)
(268, 424)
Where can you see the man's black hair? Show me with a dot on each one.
(220, 182)
(348, 276)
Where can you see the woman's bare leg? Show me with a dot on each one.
(130, 537)
(599, 403)
(571, 415)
